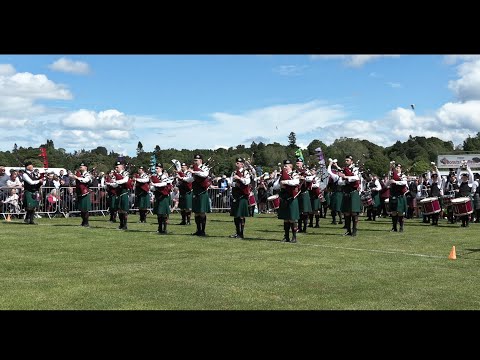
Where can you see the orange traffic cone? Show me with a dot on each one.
(9, 218)
(453, 254)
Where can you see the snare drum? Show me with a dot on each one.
(251, 200)
(274, 201)
(430, 205)
(387, 206)
(462, 206)
(366, 199)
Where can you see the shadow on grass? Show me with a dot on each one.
(464, 254)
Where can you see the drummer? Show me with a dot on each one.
(465, 184)
(398, 202)
(451, 187)
(436, 190)
(372, 185)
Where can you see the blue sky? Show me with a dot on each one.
(211, 101)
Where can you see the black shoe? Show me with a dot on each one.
(196, 233)
(317, 226)
(310, 225)
(348, 233)
(340, 222)
(401, 229)
(285, 240)
(393, 230)
(183, 223)
(333, 223)
(368, 219)
(188, 223)
(354, 232)
(32, 223)
(294, 240)
(234, 236)
(202, 233)
(86, 225)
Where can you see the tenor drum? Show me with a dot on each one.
(430, 205)
(366, 199)
(251, 200)
(462, 206)
(274, 201)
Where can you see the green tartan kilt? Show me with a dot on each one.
(304, 205)
(288, 209)
(121, 201)
(201, 202)
(185, 201)
(239, 207)
(351, 202)
(314, 201)
(84, 203)
(336, 199)
(376, 200)
(162, 205)
(30, 200)
(327, 198)
(142, 200)
(400, 206)
(111, 201)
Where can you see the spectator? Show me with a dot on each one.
(12, 202)
(175, 198)
(13, 181)
(3, 178)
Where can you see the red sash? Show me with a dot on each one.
(144, 186)
(348, 172)
(165, 190)
(292, 190)
(203, 182)
(81, 188)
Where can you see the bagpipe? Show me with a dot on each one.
(240, 188)
(206, 167)
(348, 172)
(291, 190)
(397, 177)
(110, 188)
(164, 190)
(82, 188)
(128, 185)
(142, 185)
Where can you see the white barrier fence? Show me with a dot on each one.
(64, 203)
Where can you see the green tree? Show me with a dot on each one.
(472, 143)
(139, 148)
(292, 140)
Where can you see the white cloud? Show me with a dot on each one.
(20, 92)
(352, 60)
(104, 120)
(27, 85)
(70, 66)
(394, 85)
(467, 87)
(289, 70)
(6, 69)
(453, 59)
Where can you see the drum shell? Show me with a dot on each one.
(430, 206)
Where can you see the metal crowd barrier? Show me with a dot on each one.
(65, 204)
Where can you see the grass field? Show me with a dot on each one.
(60, 265)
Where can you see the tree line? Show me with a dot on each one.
(415, 154)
